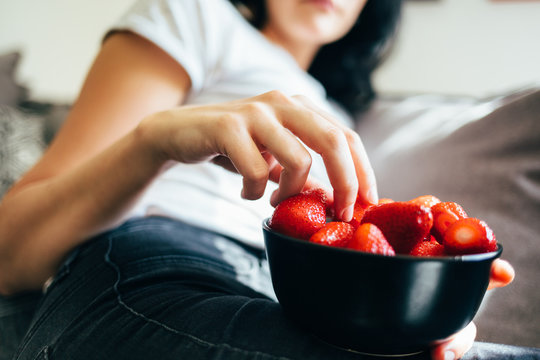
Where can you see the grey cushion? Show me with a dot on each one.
(11, 93)
(484, 155)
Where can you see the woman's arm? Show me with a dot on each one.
(95, 168)
(111, 149)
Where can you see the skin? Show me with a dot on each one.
(126, 128)
(303, 26)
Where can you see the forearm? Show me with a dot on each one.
(55, 215)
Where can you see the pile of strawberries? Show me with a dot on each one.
(424, 226)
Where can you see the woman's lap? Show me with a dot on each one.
(160, 289)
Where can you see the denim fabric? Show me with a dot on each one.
(160, 289)
(16, 312)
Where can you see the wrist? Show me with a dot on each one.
(149, 142)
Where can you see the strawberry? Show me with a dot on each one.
(402, 223)
(469, 236)
(323, 197)
(300, 215)
(318, 193)
(426, 200)
(428, 248)
(358, 213)
(335, 233)
(444, 214)
(360, 208)
(369, 238)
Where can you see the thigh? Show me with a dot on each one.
(16, 312)
(159, 289)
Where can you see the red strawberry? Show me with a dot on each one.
(444, 214)
(369, 238)
(360, 208)
(402, 223)
(335, 233)
(300, 215)
(428, 248)
(469, 236)
(323, 197)
(318, 193)
(358, 213)
(426, 200)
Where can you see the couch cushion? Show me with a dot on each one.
(21, 144)
(484, 155)
(11, 93)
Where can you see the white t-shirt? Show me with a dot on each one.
(226, 58)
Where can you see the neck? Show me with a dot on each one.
(303, 53)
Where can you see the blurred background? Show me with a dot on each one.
(451, 47)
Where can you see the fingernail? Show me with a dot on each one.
(372, 196)
(347, 213)
(449, 355)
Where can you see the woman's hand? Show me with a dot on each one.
(502, 274)
(264, 137)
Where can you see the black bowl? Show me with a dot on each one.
(374, 303)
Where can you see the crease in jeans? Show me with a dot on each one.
(45, 352)
(56, 304)
(193, 338)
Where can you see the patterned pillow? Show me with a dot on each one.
(21, 144)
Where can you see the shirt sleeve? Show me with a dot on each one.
(188, 30)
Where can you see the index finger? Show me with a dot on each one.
(367, 184)
(330, 142)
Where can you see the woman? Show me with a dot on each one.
(154, 251)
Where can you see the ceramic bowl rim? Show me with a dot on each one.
(403, 257)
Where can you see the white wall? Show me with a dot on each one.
(58, 39)
(472, 47)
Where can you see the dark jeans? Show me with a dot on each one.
(160, 289)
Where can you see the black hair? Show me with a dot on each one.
(345, 67)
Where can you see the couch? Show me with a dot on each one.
(481, 153)
(485, 155)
